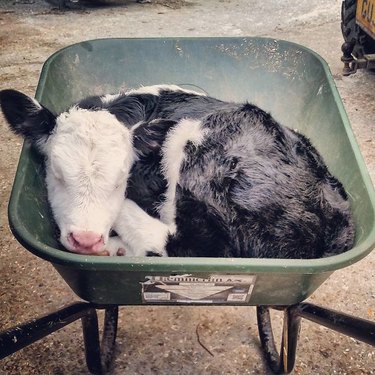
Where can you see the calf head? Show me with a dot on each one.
(88, 156)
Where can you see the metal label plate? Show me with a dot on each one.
(188, 289)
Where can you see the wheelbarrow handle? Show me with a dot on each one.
(358, 328)
(16, 338)
(98, 355)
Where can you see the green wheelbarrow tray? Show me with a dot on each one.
(290, 81)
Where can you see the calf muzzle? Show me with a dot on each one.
(86, 242)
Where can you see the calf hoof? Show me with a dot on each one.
(115, 247)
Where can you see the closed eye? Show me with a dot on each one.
(58, 177)
(120, 183)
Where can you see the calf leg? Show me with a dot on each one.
(141, 233)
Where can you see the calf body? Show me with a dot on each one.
(241, 185)
(210, 178)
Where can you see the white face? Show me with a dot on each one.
(89, 156)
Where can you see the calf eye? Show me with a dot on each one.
(233, 164)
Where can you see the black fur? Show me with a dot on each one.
(91, 102)
(148, 138)
(172, 105)
(25, 117)
(276, 200)
(201, 231)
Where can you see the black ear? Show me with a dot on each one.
(26, 116)
(148, 137)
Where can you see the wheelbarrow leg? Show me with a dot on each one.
(282, 363)
(360, 329)
(98, 357)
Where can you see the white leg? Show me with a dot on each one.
(140, 232)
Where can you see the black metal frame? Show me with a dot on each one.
(99, 355)
(283, 363)
(352, 63)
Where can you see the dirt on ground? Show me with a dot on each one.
(174, 340)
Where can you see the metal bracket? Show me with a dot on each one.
(352, 63)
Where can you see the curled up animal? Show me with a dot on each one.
(202, 177)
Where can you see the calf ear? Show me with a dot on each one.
(148, 137)
(26, 116)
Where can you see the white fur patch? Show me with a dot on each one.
(155, 90)
(140, 232)
(89, 157)
(173, 155)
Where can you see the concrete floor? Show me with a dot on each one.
(163, 340)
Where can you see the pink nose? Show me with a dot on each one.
(86, 242)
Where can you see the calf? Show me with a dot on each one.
(210, 178)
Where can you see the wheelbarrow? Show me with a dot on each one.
(291, 82)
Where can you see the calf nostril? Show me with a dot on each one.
(72, 240)
(85, 239)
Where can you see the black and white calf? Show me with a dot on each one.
(208, 178)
